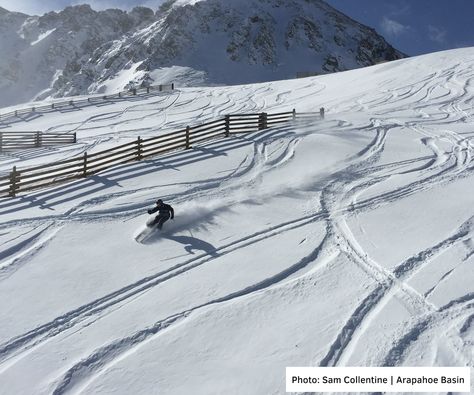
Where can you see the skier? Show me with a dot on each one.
(165, 212)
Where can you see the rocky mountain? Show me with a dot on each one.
(189, 42)
(36, 49)
(11, 46)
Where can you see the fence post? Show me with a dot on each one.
(172, 86)
(38, 139)
(84, 170)
(321, 112)
(32, 109)
(147, 89)
(75, 138)
(13, 182)
(227, 125)
(294, 113)
(88, 100)
(16, 113)
(71, 103)
(139, 148)
(1, 141)
(134, 91)
(262, 121)
(120, 94)
(52, 105)
(188, 138)
(160, 88)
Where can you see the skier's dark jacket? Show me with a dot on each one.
(165, 210)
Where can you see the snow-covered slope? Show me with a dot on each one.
(344, 241)
(80, 51)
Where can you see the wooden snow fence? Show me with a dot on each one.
(18, 141)
(67, 104)
(27, 179)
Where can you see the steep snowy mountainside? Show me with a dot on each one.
(235, 41)
(11, 43)
(81, 51)
(40, 47)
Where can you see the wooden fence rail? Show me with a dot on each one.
(12, 141)
(74, 102)
(22, 180)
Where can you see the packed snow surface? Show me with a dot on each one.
(343, 241)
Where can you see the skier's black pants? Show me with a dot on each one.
(161, 219)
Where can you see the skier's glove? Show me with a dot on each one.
(149, 211)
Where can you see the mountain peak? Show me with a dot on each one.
(79, 50)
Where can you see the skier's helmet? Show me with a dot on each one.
(159, 202)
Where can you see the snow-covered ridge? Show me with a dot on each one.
(42, 36)
(81, 51)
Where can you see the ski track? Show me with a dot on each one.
(23, 344)
(68, 320)
(88, 369)
(367, 310)
(108, 116)
(332, 199)
(16, 256)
